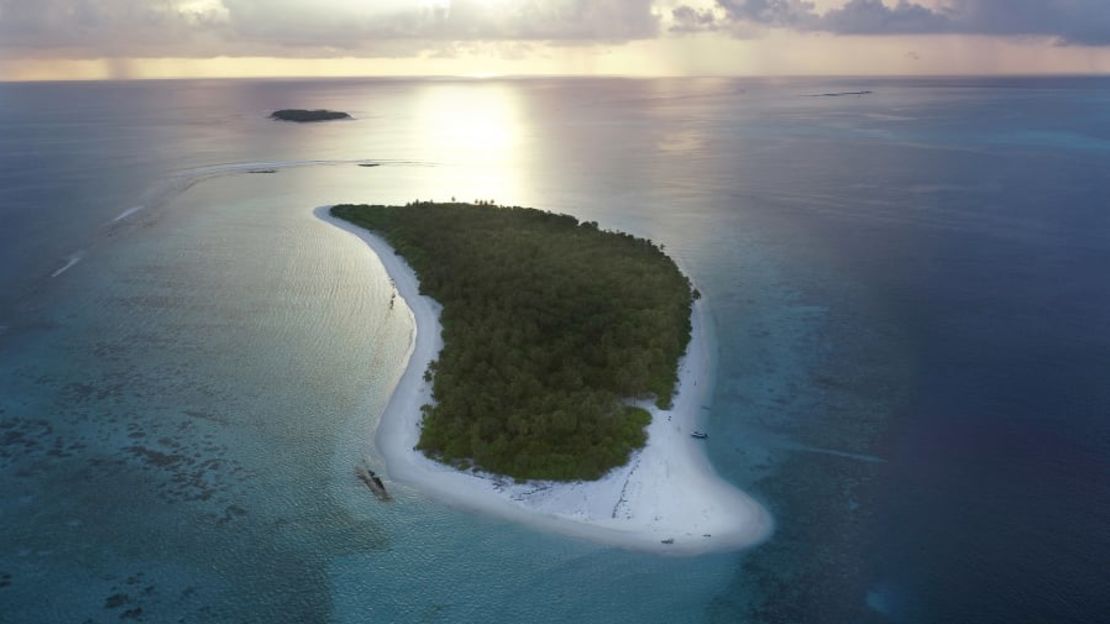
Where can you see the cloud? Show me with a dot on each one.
(687, 19)
(795, 14)
(1069, 22)
(867, 17)
(351, 22)
(397, 28)
(1078, 22)
(52, 24)
(205, 28)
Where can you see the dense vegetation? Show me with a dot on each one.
(549, 327)
(301, 115)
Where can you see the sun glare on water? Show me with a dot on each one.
(475, 132)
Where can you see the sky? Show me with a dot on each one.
(122, 39)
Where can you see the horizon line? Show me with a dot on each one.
(542, 76)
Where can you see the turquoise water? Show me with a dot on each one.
(905, 287)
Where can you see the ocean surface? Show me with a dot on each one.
(910, 291)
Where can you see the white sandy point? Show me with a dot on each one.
(668, 491)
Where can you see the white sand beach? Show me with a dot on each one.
(667, 499)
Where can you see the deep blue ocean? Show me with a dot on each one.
(910, 291)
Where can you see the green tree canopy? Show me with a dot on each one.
(550, 327)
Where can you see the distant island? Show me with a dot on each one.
(841, 93)
(551, 328)
(302, 116)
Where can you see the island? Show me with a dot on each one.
(841, 93)
(306, 116)
(556, 376)
(551, 328)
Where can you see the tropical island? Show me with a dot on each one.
(550, 328)
(540, 384)
(304, 116)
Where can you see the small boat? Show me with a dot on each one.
(372, 481)
(701, 435)
(668, 541)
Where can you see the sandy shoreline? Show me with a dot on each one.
(668, 491)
